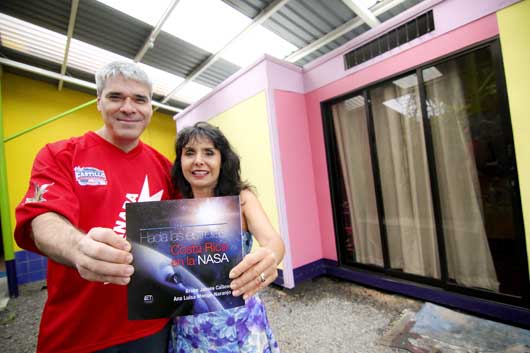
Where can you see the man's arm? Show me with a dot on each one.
(100, 255)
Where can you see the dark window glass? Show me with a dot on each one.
(427, 179)
(422, 24)
(430, 21)
(393, 40)
(358, 209)
(402, 35)
(411, 30)
(477, 201)
(404, 177)
(365, 53)
(383, 43)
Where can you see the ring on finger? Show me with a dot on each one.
(262, 277)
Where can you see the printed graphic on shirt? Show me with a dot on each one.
(90, 176)
(38, 192)
(145, 195)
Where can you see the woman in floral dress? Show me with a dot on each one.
(206, 166)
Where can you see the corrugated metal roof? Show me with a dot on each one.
(217, 73)
(51, 14)
(102, 26)
(174, 55)
(106, 28)
(180, 58)
(300, 22)
(396, 10)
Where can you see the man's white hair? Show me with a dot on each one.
(127, 70)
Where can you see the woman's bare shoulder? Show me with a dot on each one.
(247, 195)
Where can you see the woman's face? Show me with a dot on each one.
(201, 163)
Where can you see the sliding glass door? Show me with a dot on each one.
(476, 172)
(424, 179)
(363, 236)
(404, 177)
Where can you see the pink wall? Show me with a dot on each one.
(300, 200)
(477, 31)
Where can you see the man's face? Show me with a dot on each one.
(125, 106)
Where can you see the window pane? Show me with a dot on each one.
(360, 216)
(405, 182)
(475, 170)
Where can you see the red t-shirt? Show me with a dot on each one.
(89, 181)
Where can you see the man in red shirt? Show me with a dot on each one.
(74, 213)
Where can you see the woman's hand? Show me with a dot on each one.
(257, 270)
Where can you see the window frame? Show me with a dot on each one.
(335, 179)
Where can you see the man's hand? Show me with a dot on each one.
(100, 255)
(104, 256)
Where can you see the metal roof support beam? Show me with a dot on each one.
(150, 42)
(259, 19)
(363, 12)
(72, 80)
(339, 31)
(69, 34)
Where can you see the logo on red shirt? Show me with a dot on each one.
(145, 195)
(39, 191)
(90, 176)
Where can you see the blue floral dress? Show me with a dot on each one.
(244, 329)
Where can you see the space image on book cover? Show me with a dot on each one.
(183, 252)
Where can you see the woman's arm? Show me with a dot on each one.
(259, 268)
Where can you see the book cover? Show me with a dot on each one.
(183, 252)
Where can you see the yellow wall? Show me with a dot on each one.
(514, 30)
(27, 102)
(246, 126)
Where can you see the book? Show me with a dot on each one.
(183, 251)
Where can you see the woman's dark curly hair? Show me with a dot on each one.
(229, 182)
